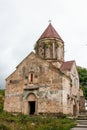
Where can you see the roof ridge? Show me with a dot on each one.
(69, 61)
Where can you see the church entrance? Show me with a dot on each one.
(32, 107)
(74, 110)
(31, 104)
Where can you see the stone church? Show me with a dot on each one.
(43, 82)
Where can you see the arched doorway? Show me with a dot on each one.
(74, 110)
(32, 104)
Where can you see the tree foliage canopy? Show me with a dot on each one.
(83, 79)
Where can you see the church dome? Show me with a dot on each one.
(50, 46)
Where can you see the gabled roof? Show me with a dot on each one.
(51, 66)
(67, 65)
(50, 32)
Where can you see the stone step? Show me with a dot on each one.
(82, 117)
(81, 126)
(82, 122)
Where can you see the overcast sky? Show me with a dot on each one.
(23, 21)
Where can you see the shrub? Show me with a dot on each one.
(4, 127)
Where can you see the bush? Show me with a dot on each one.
(1, 100)
(4, 127)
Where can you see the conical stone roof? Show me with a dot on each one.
(50, 32)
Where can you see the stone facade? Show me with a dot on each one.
(43, 82)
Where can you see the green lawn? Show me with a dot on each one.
(22, 122)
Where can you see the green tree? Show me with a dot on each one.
(83, 79)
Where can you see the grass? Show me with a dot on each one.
(22, 122)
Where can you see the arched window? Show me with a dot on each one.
(31, 77)
(47, 52)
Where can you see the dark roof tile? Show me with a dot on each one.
(67, 65)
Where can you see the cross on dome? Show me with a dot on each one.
(49, 21)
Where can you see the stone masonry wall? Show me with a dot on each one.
(45, 77)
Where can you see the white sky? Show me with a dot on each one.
(23, 21)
